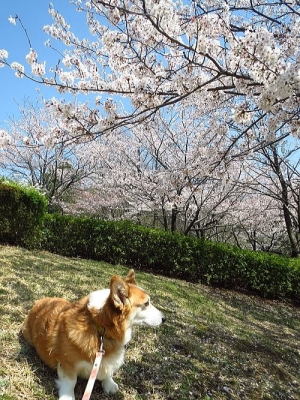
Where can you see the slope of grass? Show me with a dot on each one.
(216, 344)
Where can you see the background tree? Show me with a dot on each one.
(188, 104)
(256, 222)
(169, 169)
(274, 173)
(36, 153)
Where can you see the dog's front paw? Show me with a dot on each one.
(110, 386)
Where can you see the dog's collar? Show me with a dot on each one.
(101, 332)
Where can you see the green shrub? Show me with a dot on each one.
(173, 255)
(22, 210)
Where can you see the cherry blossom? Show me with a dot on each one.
(256, 221)
(12, 20)
(147, 55)
(4, 137)
(33, 151)
(273, 174)
(19, 68)
(3, 54)
(168, 167)
(176, 105)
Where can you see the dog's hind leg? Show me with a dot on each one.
(66, 384)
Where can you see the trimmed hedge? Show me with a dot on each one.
(23, 222)
(22, 210)
(173, 255)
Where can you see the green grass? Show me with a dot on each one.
(216, 344)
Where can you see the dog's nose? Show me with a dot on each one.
(163, 319)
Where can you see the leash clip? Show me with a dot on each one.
(101, 350)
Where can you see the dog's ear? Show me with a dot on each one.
(130, 278)
(119, 292)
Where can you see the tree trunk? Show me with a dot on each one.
(254, 241)
(289, 227)
(174, 218)
(165, 219)
(285, 206)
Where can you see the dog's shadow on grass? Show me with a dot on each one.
(45, 376)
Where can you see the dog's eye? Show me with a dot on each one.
(147, 303)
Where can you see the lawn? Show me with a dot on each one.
(216, 344)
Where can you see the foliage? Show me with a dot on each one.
(22, 209)
(173, 254)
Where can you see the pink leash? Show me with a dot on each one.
(94, 372)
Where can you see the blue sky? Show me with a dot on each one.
(34, 15)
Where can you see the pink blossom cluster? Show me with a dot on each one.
(150, 54)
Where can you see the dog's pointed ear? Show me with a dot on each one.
(130, 278)
(119, 292)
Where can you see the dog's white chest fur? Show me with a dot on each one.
(107, 368)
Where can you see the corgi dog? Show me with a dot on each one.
(67, 335)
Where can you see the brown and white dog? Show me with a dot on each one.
(67, 335)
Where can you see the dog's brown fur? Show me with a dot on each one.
(66, 333)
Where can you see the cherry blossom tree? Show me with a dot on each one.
(168, 168)
(274, 173)
(33, 154)
(256, 221)
(180, 93)
(141, 56)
